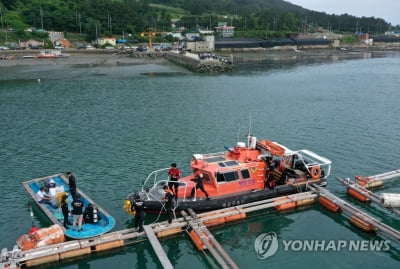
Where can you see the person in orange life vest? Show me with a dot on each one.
(174, 174)
(169, 203)
(198, 178)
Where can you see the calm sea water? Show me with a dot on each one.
(111, 126)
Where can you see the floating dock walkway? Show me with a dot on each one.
(357, 217)
(196, 226)
(376, 180)
(364, 195)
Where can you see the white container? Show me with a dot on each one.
(390, 199)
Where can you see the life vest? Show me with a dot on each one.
(59, 197)
(198, 174)
(168, 191)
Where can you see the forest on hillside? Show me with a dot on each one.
(251, 18)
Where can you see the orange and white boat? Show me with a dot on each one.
(237, 176)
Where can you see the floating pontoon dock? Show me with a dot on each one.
(357, 217)
(196, 225)
(364, 195)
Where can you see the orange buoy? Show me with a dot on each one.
(240, 214)
(197, 240)
(359, 196)
(361, 180)
(42, 260)
(169, 232)
(328, 204)
(315, 172)
(362, 224)
(109, 245)
(304, 202)
(75, 253)
(374, 184)
(213, 221)
(289, 204)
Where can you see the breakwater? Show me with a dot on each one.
(195, 64)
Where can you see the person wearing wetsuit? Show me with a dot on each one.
(72, 184)
(65, 210)
(138, 205)
(169, 203)
(270, 174)
(198, 178)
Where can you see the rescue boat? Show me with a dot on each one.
(103, 221)
(236, 176)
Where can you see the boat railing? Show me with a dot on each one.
(161, 183)
(152, 178)
(153, 181)
(311, 159)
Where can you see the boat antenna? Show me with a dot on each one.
(238, 134)
(250, 125)
(248, 142)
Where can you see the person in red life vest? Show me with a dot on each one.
(198, 178)
(174, 174)
(169, 203)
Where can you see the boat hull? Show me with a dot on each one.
(53, 212)
(203, 205)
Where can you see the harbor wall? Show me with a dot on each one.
(193, 63)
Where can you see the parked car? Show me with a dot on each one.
(4, 48)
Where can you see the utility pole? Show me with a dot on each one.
(80, 24)
(41, 17)
(2, 26)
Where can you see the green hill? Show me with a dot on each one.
(96, 18)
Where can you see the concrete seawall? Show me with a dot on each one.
(193, 63)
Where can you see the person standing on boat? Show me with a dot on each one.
(270, 174)
(198, 178)
(72, 184)
(138, 206)
(77, 212)
(169, 203)
(65, 210)
(174, 174)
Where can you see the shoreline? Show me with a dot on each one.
(94, 58)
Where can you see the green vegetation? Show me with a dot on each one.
(349, 40)
(98, 18)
